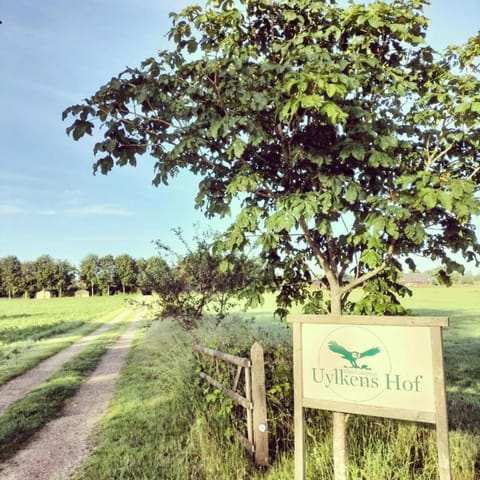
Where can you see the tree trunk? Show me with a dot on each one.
(339, 419)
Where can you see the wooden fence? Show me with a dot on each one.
(254, 402)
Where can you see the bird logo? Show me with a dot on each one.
(352, 357)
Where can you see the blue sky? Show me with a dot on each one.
(52, 55)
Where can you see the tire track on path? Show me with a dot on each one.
(19, 386)
(62, 445)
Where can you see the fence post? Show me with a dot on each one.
(260, 427)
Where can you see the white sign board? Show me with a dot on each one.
(374, 366)
(380, 366)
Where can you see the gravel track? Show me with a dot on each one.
(19, 386)
(62, 445)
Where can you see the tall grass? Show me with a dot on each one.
(160, 426)
(156, 428)
(32, 330)
(26, 416)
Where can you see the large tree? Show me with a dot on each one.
(150, 274)
(29, 281)
(45, 269)
(107, 276)
(64, 276)
(126, 271)
(350, 142)
(90, 270)
(10, 275)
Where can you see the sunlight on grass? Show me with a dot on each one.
(26, 416)
(56, 323)
(157, 426)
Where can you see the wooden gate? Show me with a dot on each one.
(254, 402)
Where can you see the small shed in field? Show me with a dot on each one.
(43, 294)
(416, 279)
(82, 293)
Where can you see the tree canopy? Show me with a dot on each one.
(350, 142)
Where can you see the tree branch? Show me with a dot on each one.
(371, 274)
(470, 177)
(322, 260)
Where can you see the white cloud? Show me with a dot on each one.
(9, 210)
(89, 210)
(101, 210)
(47, 212)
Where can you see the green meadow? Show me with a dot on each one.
(23, 418)
(164, 423)
(32, 330)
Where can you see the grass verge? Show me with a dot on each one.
(28, 354)
(28, 415)
(159, 426)
(154, 428)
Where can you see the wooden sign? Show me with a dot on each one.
(379, 366)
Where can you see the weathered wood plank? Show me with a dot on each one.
(230, 393)
(373, 411)
(299, 419)
(259, 398)
(443, 445)
(370, 320)
(240, 361)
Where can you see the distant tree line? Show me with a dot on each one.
(45, 273)
(101, 275)
(186, 283)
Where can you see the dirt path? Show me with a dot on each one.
(62, 445)
(23, 384)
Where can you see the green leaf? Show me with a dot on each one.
(392, 229)
(415, 233)
(80, 128)
(378, 224)
(238, 148)
(351, 194)
(192, 46)
(334, 112)
(370, 258)
(311, 101)
(430, 198)
(214, 128)
(353, 149)
(358, 151)
(331, 89)
(475, 107)
(378, 159)
(387, 141)
(446, 200)
(142, 94)
(375, 22)
(463, 107)
(290, 15)
(279, 221)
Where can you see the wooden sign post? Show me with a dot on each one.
(379, 366)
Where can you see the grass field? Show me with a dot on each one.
(29, 414)
(157, 426)
(32, 330)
